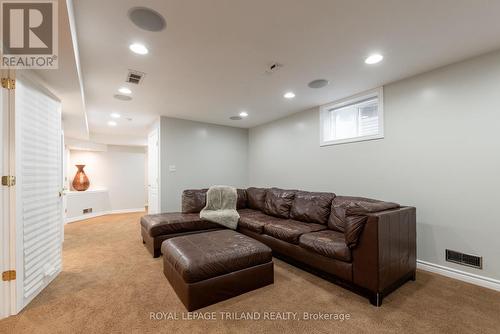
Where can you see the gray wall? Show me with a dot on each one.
(120, 170)
(203, 155)
(441, 153)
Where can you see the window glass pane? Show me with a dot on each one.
(328, 127)
(352, 120)
(368, 119)
(346, 122)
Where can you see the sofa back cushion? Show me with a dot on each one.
(256, 198)
(363, 207)
(353, 228)
(344, 208)
(312, 207)
(278, 202)
(193, 200)
(241, 203)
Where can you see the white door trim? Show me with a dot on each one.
(7, 250)
(4, 204)
(12, 199)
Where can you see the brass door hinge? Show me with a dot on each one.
(9, 275)
(8, 181)
(9, 83)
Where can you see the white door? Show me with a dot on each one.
(153, 184)
(38, 204)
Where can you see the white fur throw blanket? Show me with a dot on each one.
(221, 206)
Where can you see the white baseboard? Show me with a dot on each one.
(114, 212)
(102, 213)
(83, 217)
(460, 275)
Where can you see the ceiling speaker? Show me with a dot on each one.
(147, 19)
(319, 83)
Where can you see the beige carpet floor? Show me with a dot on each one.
(111, 284)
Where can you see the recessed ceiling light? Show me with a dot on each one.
(112, 123)
(235, 118)
(115, 115)
(374, 58)
(289, 95)
(125, 90)
(138, 48)
(243, 114)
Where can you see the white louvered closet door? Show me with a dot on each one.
(39, 180)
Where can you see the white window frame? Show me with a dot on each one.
(325, 110)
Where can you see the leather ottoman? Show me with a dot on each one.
(159, 227)
(210, 267)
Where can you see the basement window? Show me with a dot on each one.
(357, 118)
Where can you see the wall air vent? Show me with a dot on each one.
(464, 259)
(135, 77)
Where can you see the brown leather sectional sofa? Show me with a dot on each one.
(365, 245)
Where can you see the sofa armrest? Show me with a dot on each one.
(386, 249)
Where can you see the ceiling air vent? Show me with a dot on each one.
(464, 259)
(135, 77)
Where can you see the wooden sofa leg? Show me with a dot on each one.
(376, 299)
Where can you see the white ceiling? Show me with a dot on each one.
(209, 63)
(64, 82)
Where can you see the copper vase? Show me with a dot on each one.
(81, 181)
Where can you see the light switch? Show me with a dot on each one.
(172, 168)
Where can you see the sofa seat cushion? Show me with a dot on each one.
(247, 212)
(327, 243)
(174, 222)
(290, 230)
(201, 256)
(278, 202)
(254, 220)
(312, 207)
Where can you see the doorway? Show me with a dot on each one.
(153, 173)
